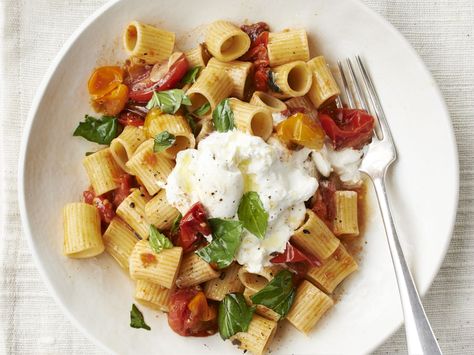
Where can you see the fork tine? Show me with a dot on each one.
(360, 97)
(374, 98)
(347, 90)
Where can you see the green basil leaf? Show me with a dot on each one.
(278, 295)
(203, 109)
(136, 319)
(234, 315)
(163, 140)
(272, 83)
(101, 130)
(223, 116)
(191, 75)
(225, 242)
(158, 241)
(168, 101)
(175, 226)
(252, 214)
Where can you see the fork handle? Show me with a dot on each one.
(419, 335)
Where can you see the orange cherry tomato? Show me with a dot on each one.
(152, 115)
(113, 102)
(103, 80)
(302, 130)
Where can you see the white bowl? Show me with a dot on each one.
(423, 184)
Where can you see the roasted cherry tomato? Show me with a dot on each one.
(302, 130)
(348, 127)
(190, 314)
(128, 118)
(105, 207)
(142, 91)
(293, 254)
(192, 227)
(103, 80)
(152, 115)
(113, 102)
(323, 203)
(120, 193)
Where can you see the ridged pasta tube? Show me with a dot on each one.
(198, 56)
(152, 295)
(82, 236)
(194, 271)
(119, 240)
(324, 87)
(225, 41)
(159, 212)
(239, 73)
(132, 211)
(147, 42)
(251, 119)
(262, 310)
(258, 337)
(315, 237)
(206, 128)
(333, 270)
(309, 306)
(177, 126)
(102, 171)
(345, 219)
(287, 46)
(227, 282)
(260, 98)
(123, 147)
(257, 281)
(293, 79)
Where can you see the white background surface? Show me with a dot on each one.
(32, 33)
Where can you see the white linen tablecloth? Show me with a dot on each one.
(32, 32)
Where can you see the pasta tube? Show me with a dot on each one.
(251, 119)
(82, 238)
(177, 126)
(239, 73)
(159, 212)
(293, 79)
(287, 46)
(160, 268)
(257, 281)
(132, 211)
(315, 237)
(102, 170)
(152, 295)
(262, 310)
(260, 98)
(258, 337)
(147, 42)
(194, 271)
(119, 241)
(333, 270)
(206, 128)
(227, 282)
(309, 306)
(345, 219)
(324, 87)
(197, 57)
(225, 41)
(151, 168)
(123, 147)
(212, 86)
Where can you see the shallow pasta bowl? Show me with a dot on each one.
(423, 185)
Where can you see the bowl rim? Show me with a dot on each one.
(39, 97)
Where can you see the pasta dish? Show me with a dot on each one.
(226, 185)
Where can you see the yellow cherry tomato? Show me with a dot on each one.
(302, 130)
(103, 80)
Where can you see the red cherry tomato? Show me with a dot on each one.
(142, 91)
(127, 118)
(293, 254)
(347, 127)
(125, 183)
(323, 201)
(190, 314)
(192, 227)
(105, 207)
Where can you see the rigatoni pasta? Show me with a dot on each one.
(260, 98)
(239, 73)
(194, 271)
(132, 211)
(346, 216)
(254, 120)
(198, 56)
(324, 87)
(225, 41)
(258, 337)
(123, 147)
(292, 79)
(227, 282)
(102, 170)
(152, 295)
(159, 212)
(119, 240)
(287, 46)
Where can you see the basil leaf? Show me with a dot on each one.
(272, 83)
(234, 315)
(203, 109)
(100, 131)
(175, 226)
(225, 242)
(252, 214)
(136, 319)
(168, 101)
(192, 123)
(158, 241)
(191, 75)
(223, 116)
(278, 295)
(163, 140)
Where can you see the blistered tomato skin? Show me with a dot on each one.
(193, 227)
(103, 80)
(302, 130)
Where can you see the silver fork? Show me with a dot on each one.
(380, 155)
